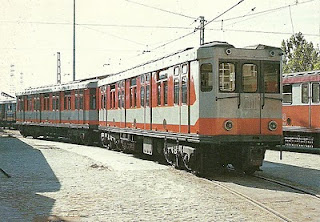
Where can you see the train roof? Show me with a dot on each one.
(300, 77)
(182, 56)
(7, 101)
(178, 57)
(78, 84)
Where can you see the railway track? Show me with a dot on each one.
(277, 212)
(279, 205)
(317, 196)
(253, 201)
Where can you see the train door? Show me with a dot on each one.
(271, 98)
(121, 103)
(183, 104)
(37, 107)
(313, 102)
(25, 107)
(145, 95)
(60, 99)
(181, 88)
(260, 94)
(249, 104)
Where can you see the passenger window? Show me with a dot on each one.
(184, 69)
(249, 78)
(159, 93)
(176, 70)
(315, 93)
(67, 100)
(79, 99)
(142, 96)
(271, 74)
(113, 96)
(176, 91)
(184, 90)
(162, 87)
(147, 95)
(305, 93)
(227, 77)
(92, 98)
(133, 90)
(287, 94)
(165, 92)
(206, 77)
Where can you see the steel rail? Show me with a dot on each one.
(252, 201)
(317, 196)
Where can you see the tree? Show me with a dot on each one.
(300, 55)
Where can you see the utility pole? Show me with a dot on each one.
(202, 30)
(58, 68)
(21, 81)
(74, 40)
(12, 80)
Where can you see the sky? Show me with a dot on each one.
(112, 35)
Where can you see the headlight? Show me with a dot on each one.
(272, 125)
(228, 125)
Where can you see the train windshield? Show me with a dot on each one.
(271, 77)
(249, 77)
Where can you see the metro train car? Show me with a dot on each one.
(301, 108)
(199, 109)
(7, 113)
(66, 110)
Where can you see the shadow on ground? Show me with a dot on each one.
(26, 174)
(304, 178)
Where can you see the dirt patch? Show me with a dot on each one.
(100, 167)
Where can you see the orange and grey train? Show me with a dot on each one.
(301, 108)
(199, 108)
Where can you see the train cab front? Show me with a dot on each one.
(240, 101)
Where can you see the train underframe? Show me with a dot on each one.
(181, 151)
(7, 124)
(84, 135)
(189, 153)
(303, 138)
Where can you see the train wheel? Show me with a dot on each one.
(250, 170)
(188, 161)
(178, 163)
(105, 143)
(168, 155)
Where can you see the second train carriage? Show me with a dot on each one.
(301, 108)
(200, 107)
(67, 110)
(7, 113)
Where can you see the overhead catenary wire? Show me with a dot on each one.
(223, 13)
(190, 33)
(265, 11)
(163, 10)
(116, 36)
(262, 32)
(291, 20)
(87, 25)
(159, 27)
(181, 37)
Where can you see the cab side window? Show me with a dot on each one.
(206, 77)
